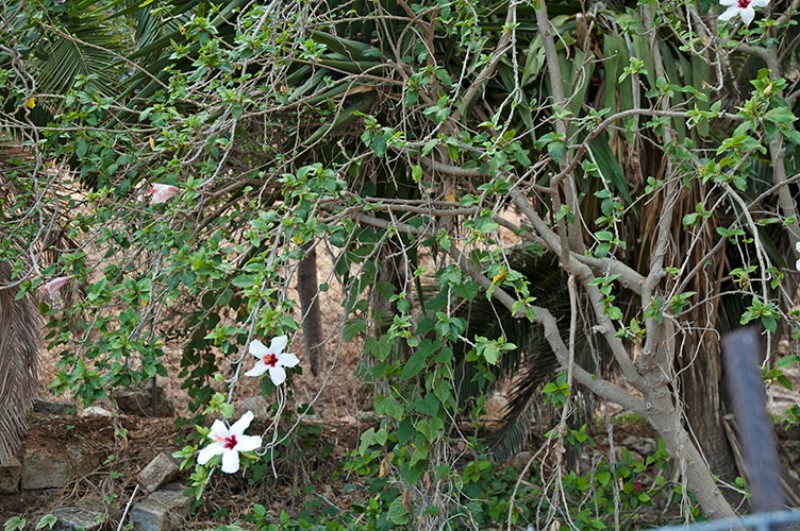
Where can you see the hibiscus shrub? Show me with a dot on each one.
(532, 196)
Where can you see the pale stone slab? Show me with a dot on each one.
(163, 510)
(162, 469)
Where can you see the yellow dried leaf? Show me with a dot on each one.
(499, 277)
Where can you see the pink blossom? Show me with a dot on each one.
(52, 287)
(162, 193)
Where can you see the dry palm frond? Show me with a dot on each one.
(19, 343)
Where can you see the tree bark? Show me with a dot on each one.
(700, 393)
(666, 419)
(308, 289)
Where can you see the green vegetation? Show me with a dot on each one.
(557, 195)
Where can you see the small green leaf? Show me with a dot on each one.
(397, 514)
(48, 521)
(15, 523)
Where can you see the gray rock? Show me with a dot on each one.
(96, 411)
(643, 445)
(162, 469)
(139, 401)
(82, 463)
(162, 510)
(10, 475)
(43, 468)
(257, 404)
(75, 519)
(53, 407)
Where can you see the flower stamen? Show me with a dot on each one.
(230, 442)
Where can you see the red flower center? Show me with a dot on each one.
(230, 442)
(271, 360)
(744, 4)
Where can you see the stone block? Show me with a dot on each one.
(53, 407)
(162, 469)
(82, 462)
(43, 468)
(10, 476)
(76, 519)
(163, 510)
(95, 411)
(139, 401)
(643, 445)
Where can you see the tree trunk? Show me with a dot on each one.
(665, 418)
(700, 393)
(308, 289)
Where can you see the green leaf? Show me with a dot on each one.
(15, 523)
(414, 365)
(417, 360)
(430, 428)
(244, 281)
(388, 406)
(427, 406)
(780, 115)
(397, 514)
(48, 521)
(371, 437)
(354, 328)
(416, 173)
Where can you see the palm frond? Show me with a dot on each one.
(80, 48)
(19, 345)
(533, 363)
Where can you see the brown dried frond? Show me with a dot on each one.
(20, 325)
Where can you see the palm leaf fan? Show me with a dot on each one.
(533, 363)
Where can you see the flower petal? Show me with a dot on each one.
(258, 370)
(288, 360)
(218, 430)
(208, 452)
(747, 14)
(728, 2)
(230, 461)
(729, 13)
(759, 3)
(240, 425)
(278, 344)
(258, 349)
(797, 265)
(277, 375)
(163, 192)
(797, 247)
(248, 443)
(54, 285)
